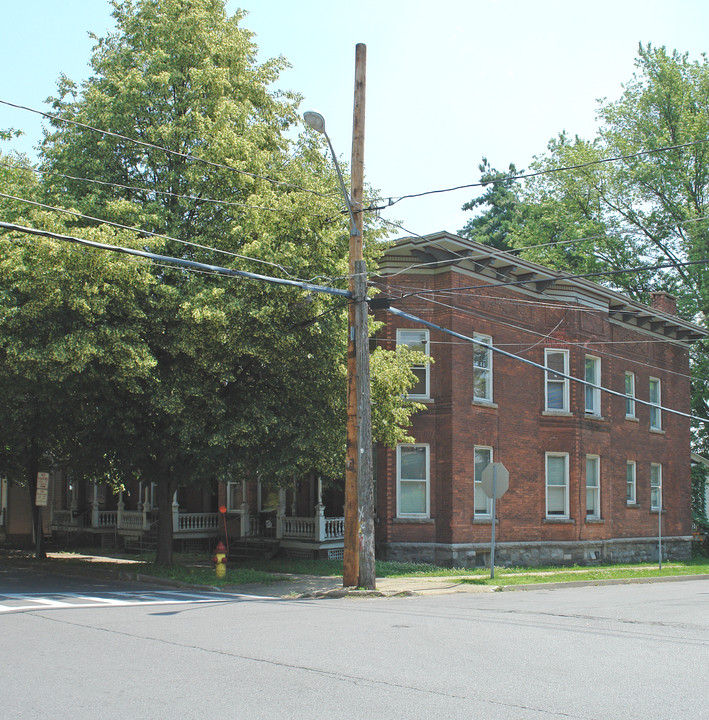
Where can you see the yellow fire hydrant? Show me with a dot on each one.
(219, 559)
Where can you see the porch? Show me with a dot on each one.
(316, 536)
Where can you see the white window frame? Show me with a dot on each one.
(655, 486)
(593, 487)
(655, 405)
(399, 480)
(592, 395)
(629, 394)
(563, 381)
(557, 515)
(631, 487)
(477, 483)
(400, 335)
(485, 373)
(229, 507)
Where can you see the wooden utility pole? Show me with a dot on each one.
(359, 503)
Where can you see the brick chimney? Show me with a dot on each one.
(662, 300)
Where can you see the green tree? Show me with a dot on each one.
(502, 212)
(245, 377)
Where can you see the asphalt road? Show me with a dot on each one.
(77, 649)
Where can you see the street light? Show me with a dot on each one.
(316, 121)
(358, 566)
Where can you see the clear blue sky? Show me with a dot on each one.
(447, 82)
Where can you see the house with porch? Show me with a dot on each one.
(580, 392)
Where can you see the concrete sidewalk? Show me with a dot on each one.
(308, 586)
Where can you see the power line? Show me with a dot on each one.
(433, 326)
(167, 193)
(523, 176)
(582, 346)
(191, 264)
(152, 146)
(143, 232)
(599, 273)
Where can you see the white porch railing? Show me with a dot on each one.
(107, 518)
(317, 528)
(197, 522)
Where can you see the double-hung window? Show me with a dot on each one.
(483, 504)
(557, 386)
(630, 487)
(629, 395)
(655, 486)
(593, 487)
(482, 368)
(234, 496)
(417, 340)
(655, 411)
(412, 487)
(592, 369)
(557, 484)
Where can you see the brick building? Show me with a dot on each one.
(588, 469)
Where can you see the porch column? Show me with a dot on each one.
(294, 504)
(121, 508)
(319, 522)
(140, 496)
(281, 513)
(74, 501)
(175, 513)
(146, 508)
(94, 508)
(245, 519)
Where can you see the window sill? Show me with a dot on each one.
(654, 511)
(592, 416)
(631, 418)
(413, 521)
(559, 521)
(657, 431)
(557, 413)
(594, 521)
(484, 520)
(424, 400)
(485, 403)
(632, 505)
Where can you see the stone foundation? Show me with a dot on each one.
(468, 555)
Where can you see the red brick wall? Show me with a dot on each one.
(520, 433)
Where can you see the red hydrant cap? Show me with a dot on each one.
(221, 548)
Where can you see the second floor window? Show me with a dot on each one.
(417, 340)
(592, 375)
(482, 368)
(655, 412)
(629, 394)
(557, 387)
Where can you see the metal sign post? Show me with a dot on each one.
(495, 481)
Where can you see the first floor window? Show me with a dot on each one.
(483, 504)
(412, 463)
(557, 386)
(416, 340)
(233, 496)
(482, 368)
(655, 486)
(655, 416)
(557, 483)
(592, 394)
(629, 395)
(630, 492)
(593, 486)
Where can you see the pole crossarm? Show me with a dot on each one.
(216, 269)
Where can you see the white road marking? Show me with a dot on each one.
(22, 602)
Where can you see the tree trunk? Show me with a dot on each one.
(166, 490)
(32, 469)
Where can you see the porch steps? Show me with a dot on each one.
(141, 542)
(253, 549)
